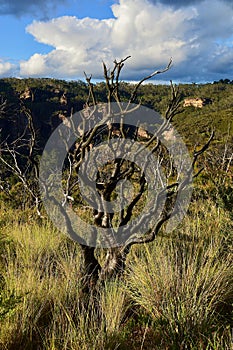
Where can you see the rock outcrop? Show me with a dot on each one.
(196, 102)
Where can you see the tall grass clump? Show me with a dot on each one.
(41, 268)
(92, 324)
(184, 283)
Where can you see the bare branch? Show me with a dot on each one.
(197, 153)
(91, 90)
(134, 93)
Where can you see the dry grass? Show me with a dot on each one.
(177, 292)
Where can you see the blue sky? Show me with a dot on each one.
(63, 38)
(18, 44)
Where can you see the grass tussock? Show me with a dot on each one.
(177, 292)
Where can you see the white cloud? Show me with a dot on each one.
(6, 69)
(36, 65)
(150, 32)
(80, 44)
(68, 33)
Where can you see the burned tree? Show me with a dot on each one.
(19, 157)
(112, 174)
(118, 156)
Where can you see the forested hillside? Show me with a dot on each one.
(49, 98)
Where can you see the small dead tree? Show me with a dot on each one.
(117, 126)
(110, 152)
(18, 157)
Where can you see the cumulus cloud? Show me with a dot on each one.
(22, 7)
(6, 69)
(80, 44)
(198, 37)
